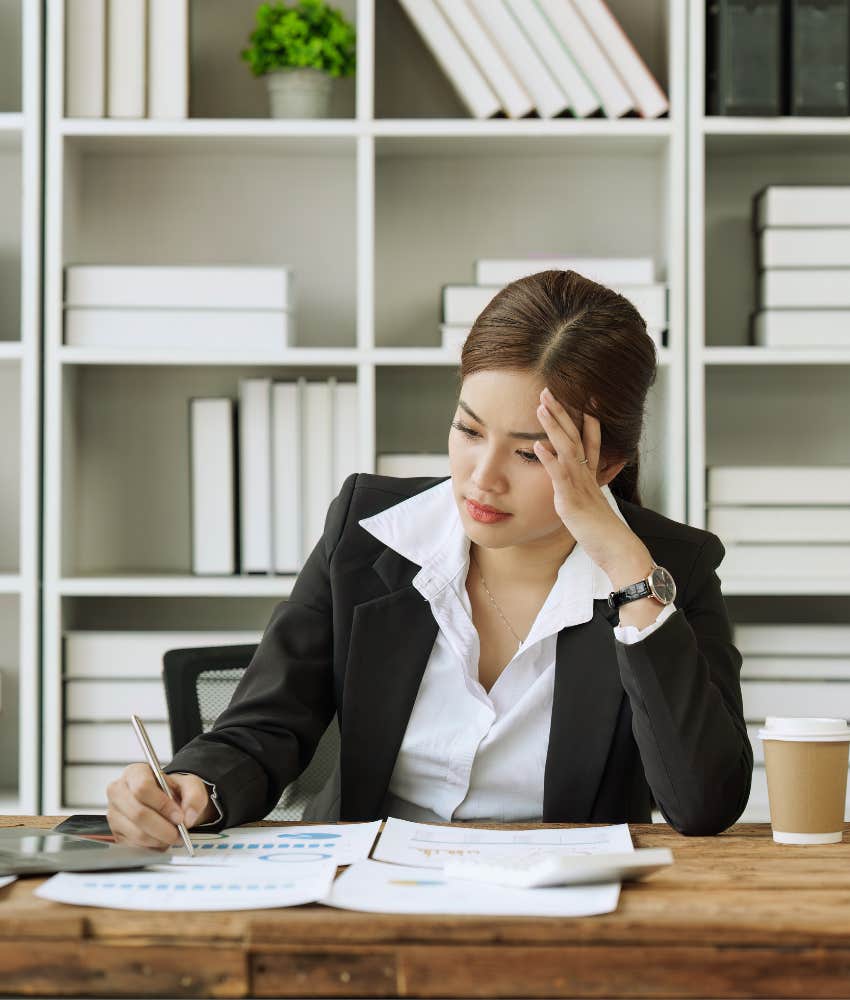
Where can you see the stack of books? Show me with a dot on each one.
(293, 444)
(98, 740)
(799, 669)
(127, 59)
(413, 463)
(777, 57)
(631, 277)
(783, 523)
(201, 309)
(803, 243)
(549, 57)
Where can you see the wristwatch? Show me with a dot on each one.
(659, 584)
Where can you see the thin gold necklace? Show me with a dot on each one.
(493, 601)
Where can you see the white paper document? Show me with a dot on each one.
(168, 888)
(342, 843)
(382, 888)
(429, 846)
(6, 879)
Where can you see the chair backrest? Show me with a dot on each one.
(199, 683)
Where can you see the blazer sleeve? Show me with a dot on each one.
(284, 701)
(683, 682)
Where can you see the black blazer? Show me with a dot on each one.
(660, 720)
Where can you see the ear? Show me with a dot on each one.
(605, 473)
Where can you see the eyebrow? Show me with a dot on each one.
(524, 435)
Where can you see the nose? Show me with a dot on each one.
(488, 474)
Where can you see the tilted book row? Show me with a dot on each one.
(544, 57)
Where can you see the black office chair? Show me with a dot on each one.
(199, 683)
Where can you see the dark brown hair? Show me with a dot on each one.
(587, 343)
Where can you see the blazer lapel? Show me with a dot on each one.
(392, 636)
(587, 699)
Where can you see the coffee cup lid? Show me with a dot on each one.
(778, 727)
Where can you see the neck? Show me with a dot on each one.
(522, 564)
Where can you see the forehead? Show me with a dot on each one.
(501, 393)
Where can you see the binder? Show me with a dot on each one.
(745, 58)
(820, 57)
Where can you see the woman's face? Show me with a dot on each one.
(493, 466)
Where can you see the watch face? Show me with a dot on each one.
(662, 585)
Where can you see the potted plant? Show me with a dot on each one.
(300, 49)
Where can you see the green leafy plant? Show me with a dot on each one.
(310, 33)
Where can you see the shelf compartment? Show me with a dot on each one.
(237, 207)
(126, 470)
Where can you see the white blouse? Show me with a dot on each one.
(467, 753)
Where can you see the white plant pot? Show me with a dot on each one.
(299, 93)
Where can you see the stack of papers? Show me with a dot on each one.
(262, 867)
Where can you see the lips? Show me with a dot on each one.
(484, 506)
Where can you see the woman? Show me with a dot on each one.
(520, 641)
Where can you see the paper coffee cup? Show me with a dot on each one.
(806, 764)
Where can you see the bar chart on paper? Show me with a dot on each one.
(280, 845)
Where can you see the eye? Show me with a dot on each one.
(526, 456)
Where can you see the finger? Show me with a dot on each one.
(144, 787)
(548, 460)
(592, 438)
(193, 797)
(148, 821)
(127, 831)
(565, 447)
(561, 416)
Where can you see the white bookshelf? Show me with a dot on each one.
(375, 209)
(20, 335)
(750, 405)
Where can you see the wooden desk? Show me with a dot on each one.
(735, 916)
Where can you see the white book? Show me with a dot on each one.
(461, 304)
(604, 270)
(406, 465)
(317, 441)
(780, 524)
(115, 700)
(778, 486)
(805, 288)
(244, 330)
(85, 58)
(126, 57)
(802, 205)
(784, 697)
(798, 247)
(822, 668)
(592, 61)
(178, 286)
(650, 100)
(213, 485)
(453, 337)
(463, 74)
(497, 71)
(539, 31)
(255, 475)
(346, 431)
(112, 742)
(804, 639)
(286, 476)
(138, 654)
(802, 328)
(786, 562)
(546, 93)
(84, 785)
(168, 59)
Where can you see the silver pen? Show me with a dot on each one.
(150, 757)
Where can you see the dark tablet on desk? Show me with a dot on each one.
(32, 851)
(91, 825)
